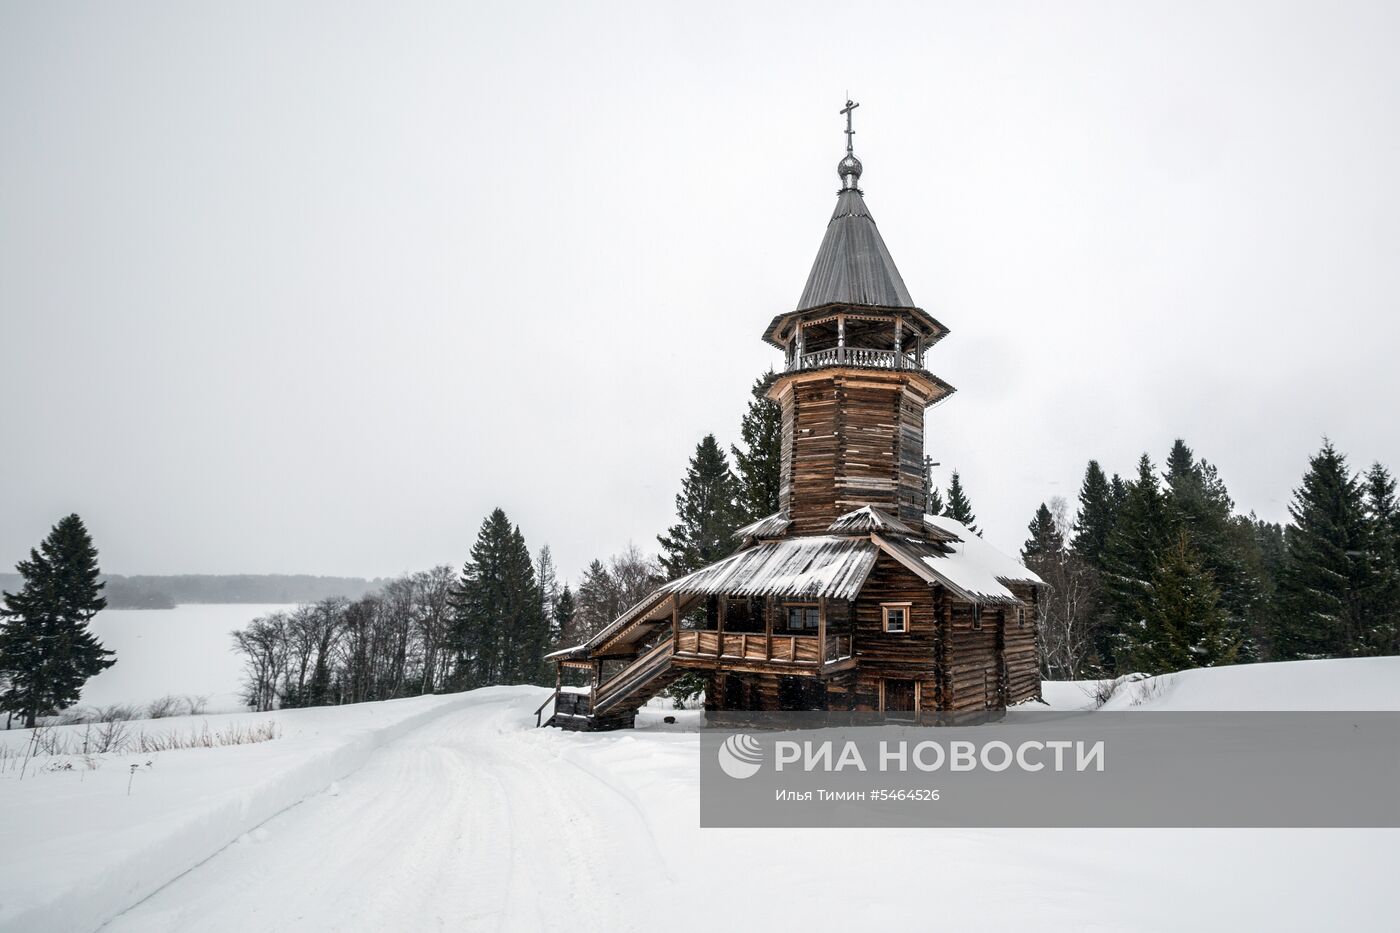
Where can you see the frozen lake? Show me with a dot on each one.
(185, 650)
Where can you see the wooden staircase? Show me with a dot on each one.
(614, 704)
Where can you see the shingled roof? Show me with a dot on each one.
(853, 265)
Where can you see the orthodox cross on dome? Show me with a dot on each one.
(847, 110)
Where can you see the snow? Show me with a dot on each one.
(77, 849)
(974, 566)
(185, 650)
(454, 813)
(811, 566)
(1344, 684)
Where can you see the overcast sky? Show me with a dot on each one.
(312, 287)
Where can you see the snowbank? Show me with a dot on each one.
(78, 850)
(1339, 684)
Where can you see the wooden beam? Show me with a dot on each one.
(768, 627)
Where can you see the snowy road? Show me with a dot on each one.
(459, 825)
(476, 821)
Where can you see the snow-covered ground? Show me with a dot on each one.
(182, 651)
(83, 837)
(454, 813)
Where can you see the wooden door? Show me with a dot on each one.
(899, 699)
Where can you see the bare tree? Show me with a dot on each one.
(1067, 606)
(264, 647)
(608, 589)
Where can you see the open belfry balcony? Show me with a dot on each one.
(866, 341)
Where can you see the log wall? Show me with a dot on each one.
(1022, 660)
(851, 439)
(881, 654)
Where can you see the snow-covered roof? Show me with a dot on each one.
(830, 566)
(810, 567)
(867, 519)
(770, 526)
(968, 566)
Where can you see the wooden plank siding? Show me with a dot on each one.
(879, 654)
(851, 439)
(957, 667)
(1022, 659)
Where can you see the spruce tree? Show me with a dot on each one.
(959, 506)
(1117, 493)
(1182, 625)
(1325, 571)
(499, 628)
(1381, 634)
(564, 617)
(1096, 515)
(1265, 559)
(707, 511)
(758, 465)
(1141, 533)
(1045, 538)
(47, 652)
(1199, 504)
(933, 501)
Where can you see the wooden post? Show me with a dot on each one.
(821, 631)
(768, 628)
(898, 342)
(676, 625)
(841, 338)
(719, 638)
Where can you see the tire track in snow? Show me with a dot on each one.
(463, 824)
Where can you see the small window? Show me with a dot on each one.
(802, 618)
(977, 616)
(896, 617)
(1021, 617)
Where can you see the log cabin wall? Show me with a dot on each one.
(911, 457)
(880, 654)
(851, 438)
(972, 671)
(1021, 659)
(730, 694)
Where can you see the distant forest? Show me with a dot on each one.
(166, 592)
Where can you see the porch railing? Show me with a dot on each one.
(756, 646)
(643, 669)
(838, 648)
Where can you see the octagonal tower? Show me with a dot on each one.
(854, 387)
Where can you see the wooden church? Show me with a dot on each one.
(850, 597)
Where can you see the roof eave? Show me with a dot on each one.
(936, 330)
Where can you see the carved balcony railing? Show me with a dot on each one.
(863, 357)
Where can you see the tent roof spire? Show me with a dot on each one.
(853, 265)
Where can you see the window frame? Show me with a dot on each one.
(905, 608)
(806, 607)
(977, 617)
